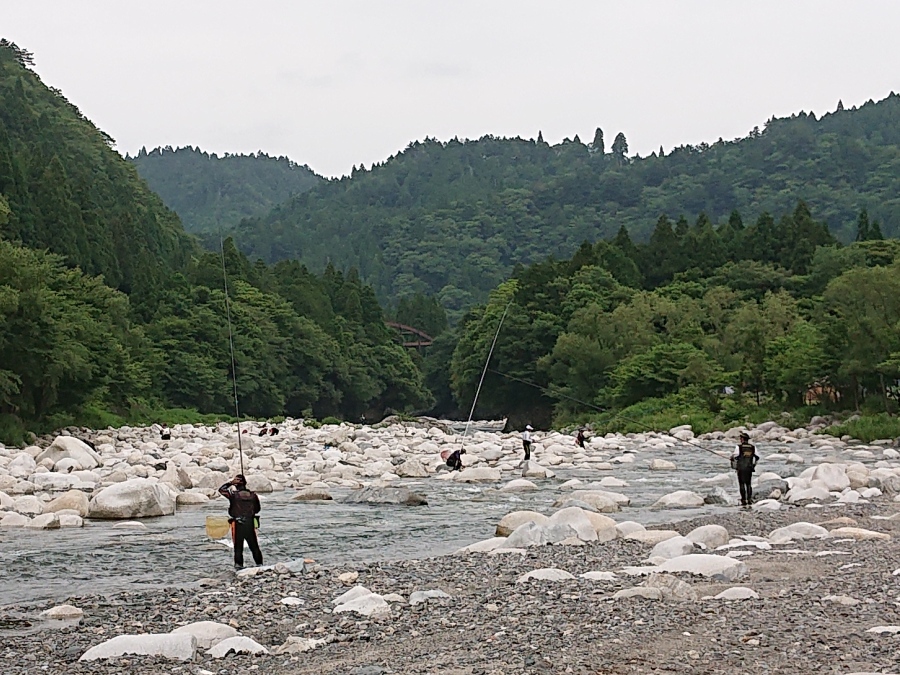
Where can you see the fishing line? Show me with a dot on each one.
(484, 372)
(551, 393)
(237, 412)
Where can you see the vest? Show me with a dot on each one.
(243, 505)
(746, 455)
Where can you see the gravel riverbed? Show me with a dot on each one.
(493, 624)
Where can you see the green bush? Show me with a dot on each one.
(868, 428)
(331, 420)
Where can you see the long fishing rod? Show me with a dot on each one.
(237, 411)
(549, 392)
(484, 372)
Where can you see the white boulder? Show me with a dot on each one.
(134, 498)
(175, 647)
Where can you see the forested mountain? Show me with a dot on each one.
(776, 313)
(453, 218)
(63, 188)
(211, 192)
(110, 313)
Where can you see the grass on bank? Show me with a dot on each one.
(868, 428)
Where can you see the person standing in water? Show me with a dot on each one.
(580, 439)
(243, 506)
(526, 441)
(743, 460)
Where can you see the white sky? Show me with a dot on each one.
(333, 84)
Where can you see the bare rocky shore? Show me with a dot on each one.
(824, 603)
(807, 581)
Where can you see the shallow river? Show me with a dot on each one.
(51, 565)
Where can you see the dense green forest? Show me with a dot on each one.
(699, 325)
(453, 219)
(64, 189)
(210, 192)
(112, 313)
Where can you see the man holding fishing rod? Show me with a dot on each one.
(243, 507)
(743, 460)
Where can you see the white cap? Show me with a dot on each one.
(528, 427)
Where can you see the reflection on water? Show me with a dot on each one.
(37, 566)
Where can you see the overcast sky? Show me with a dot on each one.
(333, 84)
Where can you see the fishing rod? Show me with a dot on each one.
(549, 392)
(237, 412)
(484, 372)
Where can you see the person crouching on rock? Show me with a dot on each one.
(526, 441)
(243, 505)
(744, 459)
(580, 439)
(454, 461)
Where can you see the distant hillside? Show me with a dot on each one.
(455, 218)
(209, 191)
(63, 188)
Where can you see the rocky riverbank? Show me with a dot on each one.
(803, 582)
(820, 601)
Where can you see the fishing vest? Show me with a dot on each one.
(746, 455)
(243, 505)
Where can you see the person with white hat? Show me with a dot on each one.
(526, 441)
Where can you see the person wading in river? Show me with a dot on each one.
(526, 441)
(243, 505)
(744, 459)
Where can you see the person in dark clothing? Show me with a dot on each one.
(580, 438)
(264, 431)
(743, 460)
(454, 461)
(243, 506)
(165, 433)
(273, 431)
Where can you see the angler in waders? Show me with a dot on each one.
(243, 507)
(526, 441)
(744, 459)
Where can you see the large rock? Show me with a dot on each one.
(14, 520)
(799, 530)
(69, 447)
(706, 565)
(830, 476)
(385, 495)
(412, 468)
(478, 474)
(257, 482)
(511, 521)
(672, 548)
(657, 464)
(711, 536)
(652, 537)
(371, 604)
(47, 521)
(29, 505)
(236, 645)
(54, 482)
(166, 645)
(859, 534)
(532, 534)
(135, 498)
(207, 633)
(22, 465)
(602, 501)
(73, 500)
(312, 494)
(672, 588)
(519, 485)
(545, 574)
(680, 499)
(576, 519)
(532, 469)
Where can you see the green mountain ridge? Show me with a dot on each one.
(454, 218)
(112, 314)
(211, 193)
(66, 190)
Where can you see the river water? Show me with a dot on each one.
(99, 558)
